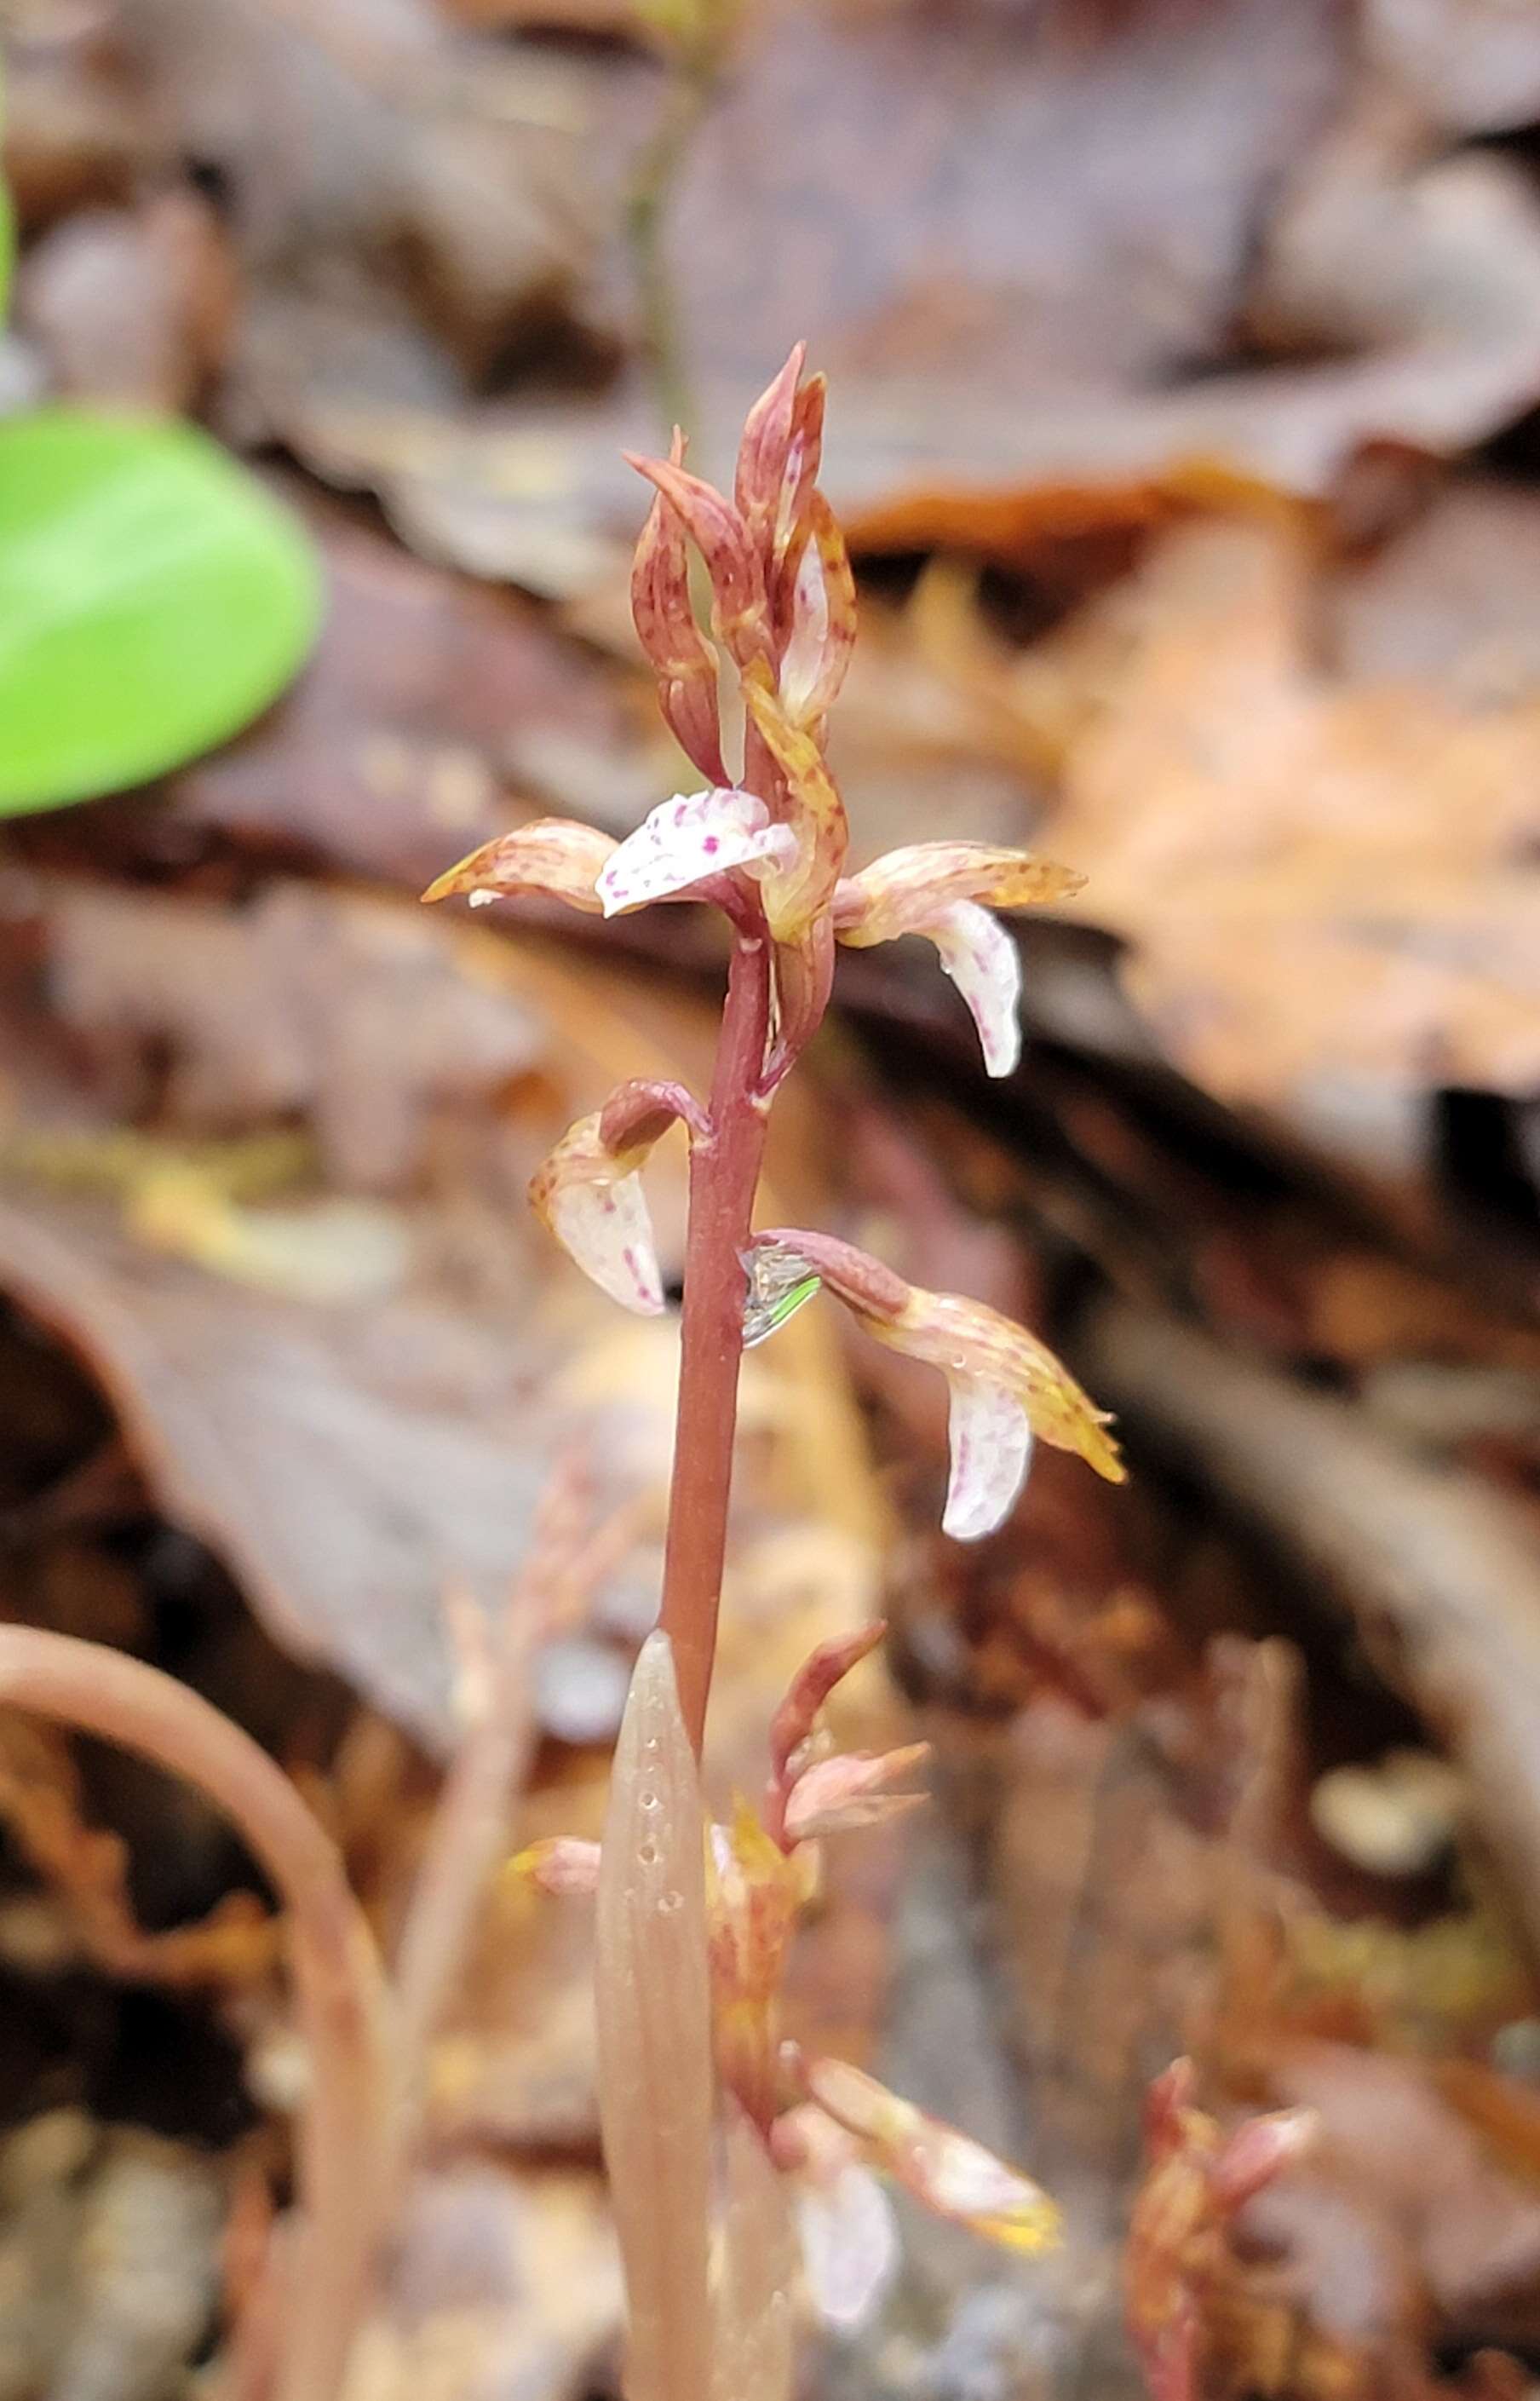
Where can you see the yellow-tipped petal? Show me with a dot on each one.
(552, 859)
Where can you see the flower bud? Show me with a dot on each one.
(559, 1864)
(755, 1893)
(763, 454)
(739, 612)
(812, 1683)
(684, 661)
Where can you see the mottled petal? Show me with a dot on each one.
(905, 890)
(689, 839)
(849, 2243)
(806, 885)
(590, 1197)
(552, 859)
(991, 1446)
(985, 964)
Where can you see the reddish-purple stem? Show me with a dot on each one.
(724, 1174)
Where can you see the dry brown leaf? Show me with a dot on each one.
(500, 2282)
(350, 1015)
(985, 332)
(131, 308)
(1326, 885)
(1397, 2152)
(368, 153)
(350, 1457)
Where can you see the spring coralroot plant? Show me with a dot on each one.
(708, 2118)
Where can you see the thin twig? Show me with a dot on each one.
(340, 1997)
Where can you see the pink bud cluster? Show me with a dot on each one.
(1198, 2178)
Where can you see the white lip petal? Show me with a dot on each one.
(991, 1442)
(607, 1228)
(985, 964)
(686, 839)
(849, 2243)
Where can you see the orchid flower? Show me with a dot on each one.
(936, 888)
(1007, 1389)
(589, 1191)
(832, 2129)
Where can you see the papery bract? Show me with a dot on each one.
(754, 1893)
(819, 611)
(685, 841)
(559, 1864)
(551, 858)
(590, 1197)
(803, 886)
(777, 1289)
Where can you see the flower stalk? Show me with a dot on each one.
(770, 851)
(724, 1176)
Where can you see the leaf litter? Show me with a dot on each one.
(268, 1195)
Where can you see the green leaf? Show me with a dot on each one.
(153, 599)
